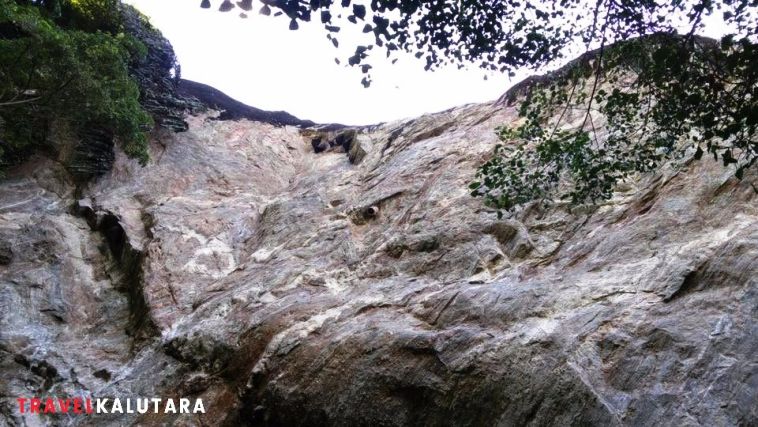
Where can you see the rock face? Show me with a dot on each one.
(288, 287)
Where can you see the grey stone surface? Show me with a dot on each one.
(287, 287)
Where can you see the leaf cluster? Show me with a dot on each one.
(65, 65)
(500, 35)
(626, 110)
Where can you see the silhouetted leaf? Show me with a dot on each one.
(359, 11)
(246, 5)
(226, 6)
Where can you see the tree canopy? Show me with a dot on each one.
(64, 70)
(622, 111)
(648, 89)
(501, 35)
(75, 75)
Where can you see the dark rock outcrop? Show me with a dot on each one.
(158, 74)
(231, 109)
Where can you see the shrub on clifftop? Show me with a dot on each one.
(65, 69)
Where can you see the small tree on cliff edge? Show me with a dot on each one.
(665, 93)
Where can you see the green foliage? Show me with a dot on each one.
(646, 101)
(647, 95)
(66, 65)
(92, 15)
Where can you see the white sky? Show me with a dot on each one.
(260, 62)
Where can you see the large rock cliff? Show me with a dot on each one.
(288, 281)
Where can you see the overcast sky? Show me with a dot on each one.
(260, 62)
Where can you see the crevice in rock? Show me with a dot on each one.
(512, 236)
(689, 283)
(433, 132)
(200, 352)
(393, 135)
(361, 215)
(6, 253)
(41, 368)
(343, 140)
(252, 410)
(445, 307)
(128, 262)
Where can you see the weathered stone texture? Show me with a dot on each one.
(288, 287)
